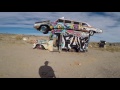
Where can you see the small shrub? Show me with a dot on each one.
(19, 37)
(0, 38)
(30, 41)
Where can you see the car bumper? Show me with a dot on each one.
(99, 31)
(36, 26)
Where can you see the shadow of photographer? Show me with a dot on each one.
(46, 71)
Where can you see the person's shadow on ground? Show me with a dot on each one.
(46, 71)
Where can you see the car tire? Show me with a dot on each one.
(44, 29)
(42, 47)
(37, 46)
(91, 33)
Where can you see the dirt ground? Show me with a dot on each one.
(19, 60)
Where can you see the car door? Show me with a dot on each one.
(85, 26)
(59, 24)
(76, 25)
(80, 26)
(68, 24)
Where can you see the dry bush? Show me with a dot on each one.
(93, 45)
(110, 48)
(0, 38)
(19, 37)
(30, 41)
(113, 48)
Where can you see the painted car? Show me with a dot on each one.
(40, 44)
(43, 44)
(68, 42)
(71, 42)
(65, 24)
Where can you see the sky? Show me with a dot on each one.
(22, 22)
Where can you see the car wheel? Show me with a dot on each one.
(37, 46)
(42, 47)
(91, 33)
(44, 29)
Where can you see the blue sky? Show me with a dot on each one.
(22, 22)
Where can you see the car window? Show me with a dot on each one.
(60, 20)
(76, 22)
(84, 24)
(67, 21)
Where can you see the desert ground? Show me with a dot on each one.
(19, 60)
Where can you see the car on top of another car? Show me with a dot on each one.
(65, 24)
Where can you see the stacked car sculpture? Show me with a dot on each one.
(70, 34)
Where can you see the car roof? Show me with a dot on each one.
(72, 20)
(67, 19)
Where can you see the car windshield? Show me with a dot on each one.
(84, 24)
(60, 20)
(63, 21)
(67, 21)
(76, 22)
